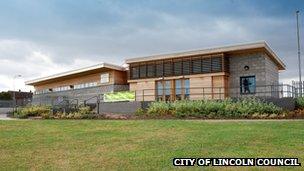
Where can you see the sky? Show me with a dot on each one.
(40, 38)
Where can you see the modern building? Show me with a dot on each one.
(79, 85)
(214, 73)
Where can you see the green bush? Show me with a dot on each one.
(228, 108)
(32, 111)
(83, 112)
(300, 102)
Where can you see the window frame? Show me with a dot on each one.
(241, 85)
(107, 78)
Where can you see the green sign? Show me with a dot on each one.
(119, 96)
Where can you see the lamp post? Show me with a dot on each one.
(299, 53)
(14, 91)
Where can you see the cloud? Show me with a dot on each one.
(41, 38)
(30, 61)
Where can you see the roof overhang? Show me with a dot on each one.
(224, 49)
(75, 72)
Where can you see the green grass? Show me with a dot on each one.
(141, 144)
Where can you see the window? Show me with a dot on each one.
(206, 64)
(177, 67)
(247, 85)
(159, 90)
(167, 85)
(216, 64)
(167, 90)
(151, 70)
(187, 88)
(178, 89)
(196, 65)
(105, 78)
(85, 85)
(186, 66)
(159, 69)
(135, 72)
(143, 71)
(167, 68)
(62, 88)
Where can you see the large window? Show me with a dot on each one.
(186, 66)
(186, 89)
(159, 69)
(143, 71)
(216, 64)
(150, 69)
(135, 72)
(167, 68)
(159, 90)
(247, 85)
(168, 90)
(196, 65)
(178, 67)
(178, 89)
(206, 64)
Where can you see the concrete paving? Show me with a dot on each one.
(4, 117)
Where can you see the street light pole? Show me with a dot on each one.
(299, 53)
(14, 91)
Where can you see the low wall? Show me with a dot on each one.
(6, 103)
(287, 103)
(5, 110)
(122, 107)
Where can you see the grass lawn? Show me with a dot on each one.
(141, 144)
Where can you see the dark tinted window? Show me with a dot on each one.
(135, 72)
(167, 68)
(216, 64)
(196, 65)
(186, 67)
(143, 71)
(247, 85)
(159, 69)
(206, 65)
(151, 70)
(177, 67)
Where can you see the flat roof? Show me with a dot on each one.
(214, 50)
(76, 71)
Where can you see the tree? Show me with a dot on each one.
(5, 96)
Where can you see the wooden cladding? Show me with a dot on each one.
(180, 66)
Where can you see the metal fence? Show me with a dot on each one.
(198, 93)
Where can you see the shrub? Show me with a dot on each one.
(140, 112)
(32, 111)
(244, 108)
(159, 109)
(300, 102)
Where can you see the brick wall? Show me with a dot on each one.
(260, 66)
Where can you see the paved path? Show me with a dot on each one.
(4, 117)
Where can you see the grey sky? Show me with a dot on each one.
(38, 38)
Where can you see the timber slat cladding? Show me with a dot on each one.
(216, 64)
(196, 65)
(159, 68)
(177, 67)
(167, 68)
(186, 66)
(180, 66)
(143, 71)
(206, 65)
(151, 69)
